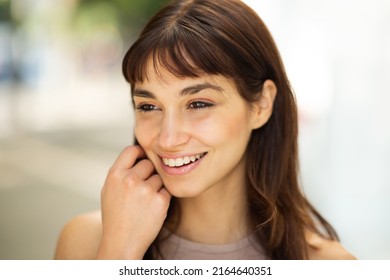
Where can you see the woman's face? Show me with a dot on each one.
(194, 130)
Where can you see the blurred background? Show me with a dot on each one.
(65, 111)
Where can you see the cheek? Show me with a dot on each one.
(222, 128)
(144, 131)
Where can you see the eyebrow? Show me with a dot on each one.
(186, 91)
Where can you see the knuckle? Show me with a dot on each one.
(131, 180)
(162, 202)
(114, 172)
(146, 192)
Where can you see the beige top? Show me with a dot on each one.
(177, 248)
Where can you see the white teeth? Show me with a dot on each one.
(181, 161)
(171, 162)
(186, 160)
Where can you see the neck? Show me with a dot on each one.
(218, 216)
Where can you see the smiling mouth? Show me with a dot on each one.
(182, 161)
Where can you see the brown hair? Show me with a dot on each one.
(225, 37)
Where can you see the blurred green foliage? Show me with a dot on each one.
(129, 16)
(5, 10)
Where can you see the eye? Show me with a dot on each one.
(198, 105)
(146, 108)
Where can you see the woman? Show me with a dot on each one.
(214, 172)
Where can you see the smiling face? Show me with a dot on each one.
(194, 130)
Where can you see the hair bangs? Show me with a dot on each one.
(180, 51)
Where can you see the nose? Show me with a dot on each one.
(173, 132)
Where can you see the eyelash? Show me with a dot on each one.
(144, 108)
(193, 105)
(200, 105)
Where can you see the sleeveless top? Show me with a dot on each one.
(174, 247)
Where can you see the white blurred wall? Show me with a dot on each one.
(337, 55)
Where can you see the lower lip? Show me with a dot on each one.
(181, 170)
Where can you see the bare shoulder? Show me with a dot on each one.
(323, 249)
(80, 238)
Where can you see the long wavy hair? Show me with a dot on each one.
(191, 38)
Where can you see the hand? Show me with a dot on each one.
(134, 206)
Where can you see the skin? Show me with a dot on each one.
(196, 116)
(178, 118)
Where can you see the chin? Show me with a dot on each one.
(182, 190)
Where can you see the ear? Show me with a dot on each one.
(262, 108)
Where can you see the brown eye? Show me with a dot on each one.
(199, 105)
(146, 107)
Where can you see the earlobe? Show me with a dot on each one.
(264, 106)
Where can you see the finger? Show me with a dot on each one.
(144, 169)
(155, 182)
(128, 157)
(165, 193)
